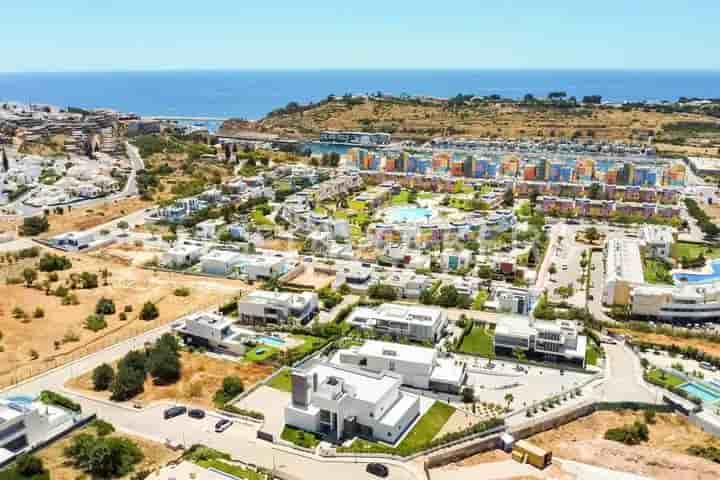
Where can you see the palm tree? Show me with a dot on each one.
(509, 399)
(490, 357)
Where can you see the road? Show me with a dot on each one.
(624, 380)
(239, 441)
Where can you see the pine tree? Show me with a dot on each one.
(5, 161)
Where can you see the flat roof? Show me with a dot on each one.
(399, 409)
(369, 387)
(396, 350)
(623, 261)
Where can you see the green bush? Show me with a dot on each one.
(149, 311)
(241, 411)
(95, 323)
(232, 386)
(52, 263)
(102, 427)
(51, 398)
(633, 434)
(105, 306)
(182, 292)
(104, 457)
(29, 465)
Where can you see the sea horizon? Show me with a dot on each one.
(253, 93)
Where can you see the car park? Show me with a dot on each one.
(174, 412)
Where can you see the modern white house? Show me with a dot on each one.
(262, 307)
(73, 241)
(220, 262)
(255, 267)
(657, 240)
(182, 255)
(208, 229)
(511, 299)
(414, 323)
(420, 367)
(555, 340)
(25, 423)
(214, 331)
(343, 402)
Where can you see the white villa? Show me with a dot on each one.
(261, 307)
(415, 323)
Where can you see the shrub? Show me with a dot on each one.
(649, 416)
(32, 226)
(104, 457)
(182, 292)
(164, 364)
(468, 395)
(53, 277)
(29, 465)
(70, 299)
(122, 316)
(241, 411)
(383, 292)
(105, 306)
(18, 313)
(39, 313)
(102, 427)
(127, 308)
(128, 382)
(149, 311)
(629, 434)
(52, 263)
(95, 322)
(103, 377)
(51, 398)
(232, 386)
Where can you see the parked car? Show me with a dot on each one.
(377, 469)
(196, 413)
(222, 425)
(174, 412)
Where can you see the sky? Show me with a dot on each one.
(109, 35)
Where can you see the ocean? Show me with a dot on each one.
(252, 94)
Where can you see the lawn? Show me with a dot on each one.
(692, 250)
(419, 437)
(656, 271)
(281, 381)
(401, 198)
(260, 353)
(480, 300)
(478, 342)
(260, 219)
(300, 438)
(592, 353)
(233, 470)
(667, 381)
(426, 195)
(310, 343)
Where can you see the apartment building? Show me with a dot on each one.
(683, 304)
(262, 307)
(558, 340)
(657, 240)
(510, 299)
(623, 270)
(341, 402)
(415, 323)
(420, 367)
(356, 138)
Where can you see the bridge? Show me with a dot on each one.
(186, 119)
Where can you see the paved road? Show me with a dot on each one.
(624, 377)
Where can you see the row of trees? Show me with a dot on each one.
(704, 221)
(161, 362)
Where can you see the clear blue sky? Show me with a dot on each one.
(62, 35)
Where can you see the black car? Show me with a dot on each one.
(174, 412)
(196, 413)
(222, 425)
(377, 469)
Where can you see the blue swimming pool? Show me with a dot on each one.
(22, 399)
(705, 394)
(272, 341)
(409, 214)
(700, 277)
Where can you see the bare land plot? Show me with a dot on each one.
(202, 376)
(23, 338)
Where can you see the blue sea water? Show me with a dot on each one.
(252, 94)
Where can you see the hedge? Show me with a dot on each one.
(611, 406)
(51, 398)
(241, 411)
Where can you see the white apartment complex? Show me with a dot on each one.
(262, 307)
(420, 367)
(343, 402)
(685, 303)
(623, 270)
(414, 323)
(555, 340)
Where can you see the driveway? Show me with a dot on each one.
(271, 402)
(624, 380)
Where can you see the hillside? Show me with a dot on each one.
(412, 119)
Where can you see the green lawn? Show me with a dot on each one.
(419, 437)
(478, 342)
(656, 271)
(309, 343)
(231, 469)
(401, 198)
(691, 250)
(668, 381)
(592, 353)
(300, 438)
(281, 381)
(260, 219)
(480, 300)
(267, 351)
(425, 195)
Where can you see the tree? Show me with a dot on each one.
(149, 311)
(519, 355)
(509, 399)
(105, 306)
(104, 457)
(128, 382)
(592, 99)
(556, 95)
(29, 465)
(32, 226)
(5, 161)
(383, 292)
(164, 364)
(553, 269)
(103, 377)
(508, 198)
(123, 225)
(30, 275)
(592, 234)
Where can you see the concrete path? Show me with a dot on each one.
(486, 471)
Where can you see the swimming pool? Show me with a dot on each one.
(700, 277)
(21, 399)
(408, 214)
(705, 394)
(272, 341)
